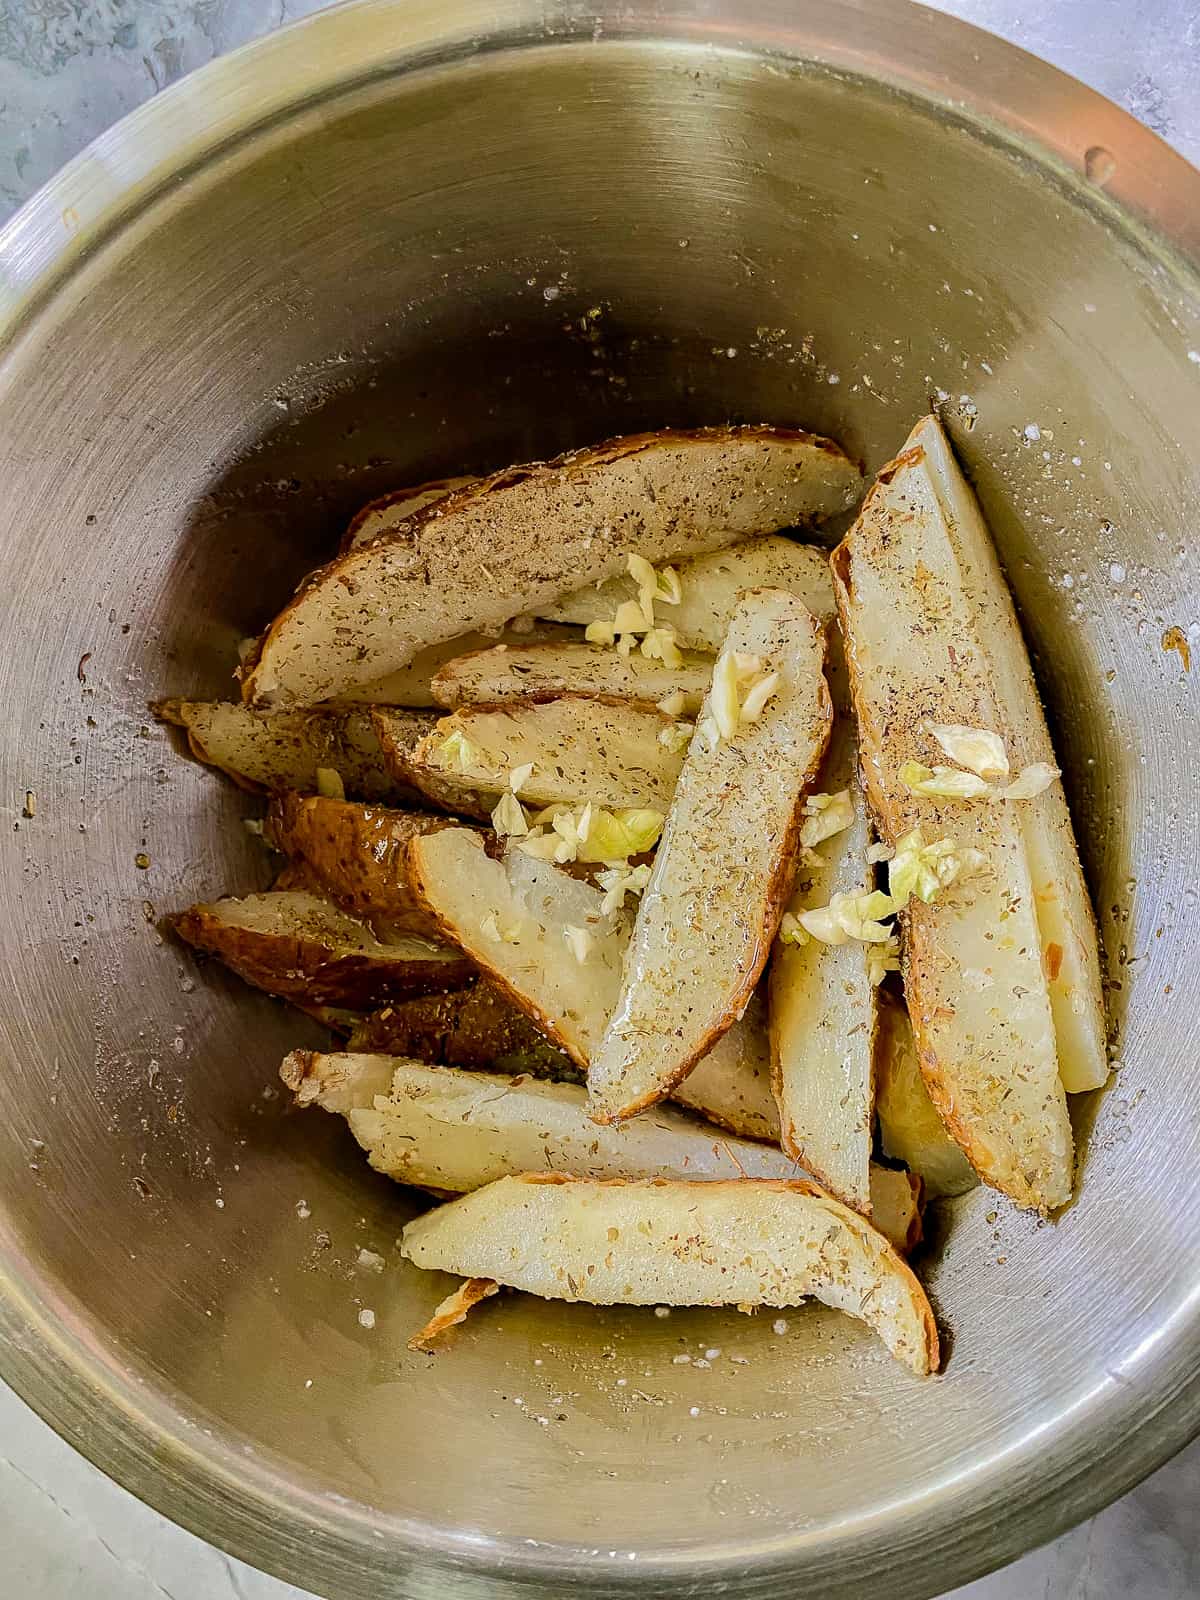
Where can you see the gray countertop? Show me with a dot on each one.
(67, 71)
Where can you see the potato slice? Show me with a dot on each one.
(910, 1129)
(974, 976)
(746, 1243)
(1070, 951)
(711, 585)
(469, 560)
(358, 856)
(412, 685)
(440, 1128)
(724, 867)
(580, 751)
(479, 1027)
(268, 750)
(383, 516)
(302, 947)
(571, 1001)
(822, 1009)
(547, 671)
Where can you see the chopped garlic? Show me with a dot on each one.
(541, 845)
(740, 691)
(672, 705)
(882, 959)
(579, 942)
(617, 882)
(633, 616)
(850, 916)
(942, 783)
(825, 815)
(652, 585)
(508, 819)
(599, 632)
(723, 697)
(879, 852)
(519, 777)
(457, 750)
(641, 571)
(980, 751)
(678, 736)
(757, 696)
(659, 645)
(504, 933)
(791, 931)
(329, 784)
(617, 835)
(925, 870)
(708, 734)
(1031, 781)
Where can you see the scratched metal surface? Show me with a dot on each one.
(66, 74)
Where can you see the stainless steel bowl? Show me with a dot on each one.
(407, 238)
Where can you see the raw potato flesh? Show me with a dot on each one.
(974, 978)
(663, 1242)
(358, 856)
(1070, 949)
(822, 1008)
(302, 947)
(546, 671)
(570, 1001)
(477, 1028)
(439, 1128)
(711, 585)
(384, 515)
(515, 541)
(582, 751)
(910, 1129)
(268, 750)
(412, 685)
(723, 870)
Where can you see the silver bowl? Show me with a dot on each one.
(402, 239)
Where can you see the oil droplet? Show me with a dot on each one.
(1099, 164)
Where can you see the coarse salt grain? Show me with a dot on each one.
(366, 1318)
(780, 1325)
(302, 1210)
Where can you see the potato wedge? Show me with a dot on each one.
(547, 671)
(358, 856)
(477, 1028)
(384, 515)
(302, 947)
(269, 750)
(570, 1001)
(510, 916)
(1070, 949)
(974, 978)
(663, 1242)
(822, 1007)
(469, 561)
(910, 1129)
(580, 751)
(723, 870)
(711, 585)
(412, 685)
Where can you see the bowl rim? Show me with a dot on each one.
(1133, 1420)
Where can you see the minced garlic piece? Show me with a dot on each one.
(508, 819)
(977, 749)
(924, 870)
(943, 783)
(579, 942)
(457, 750)
(600, 632)
(1031, 781)
(652, 585)
(677, 736)
(659, 645)
(740, 691)
(850, 916)
(791, 931)
(617, 882)
(592, 834)
(882, 959)
(825, 815)
(755, 699)
(879, 852)
(329, 784)
(633, 616)
(672, 705)
(504, 933)
(519, 777)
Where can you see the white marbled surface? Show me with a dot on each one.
(70, 68)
